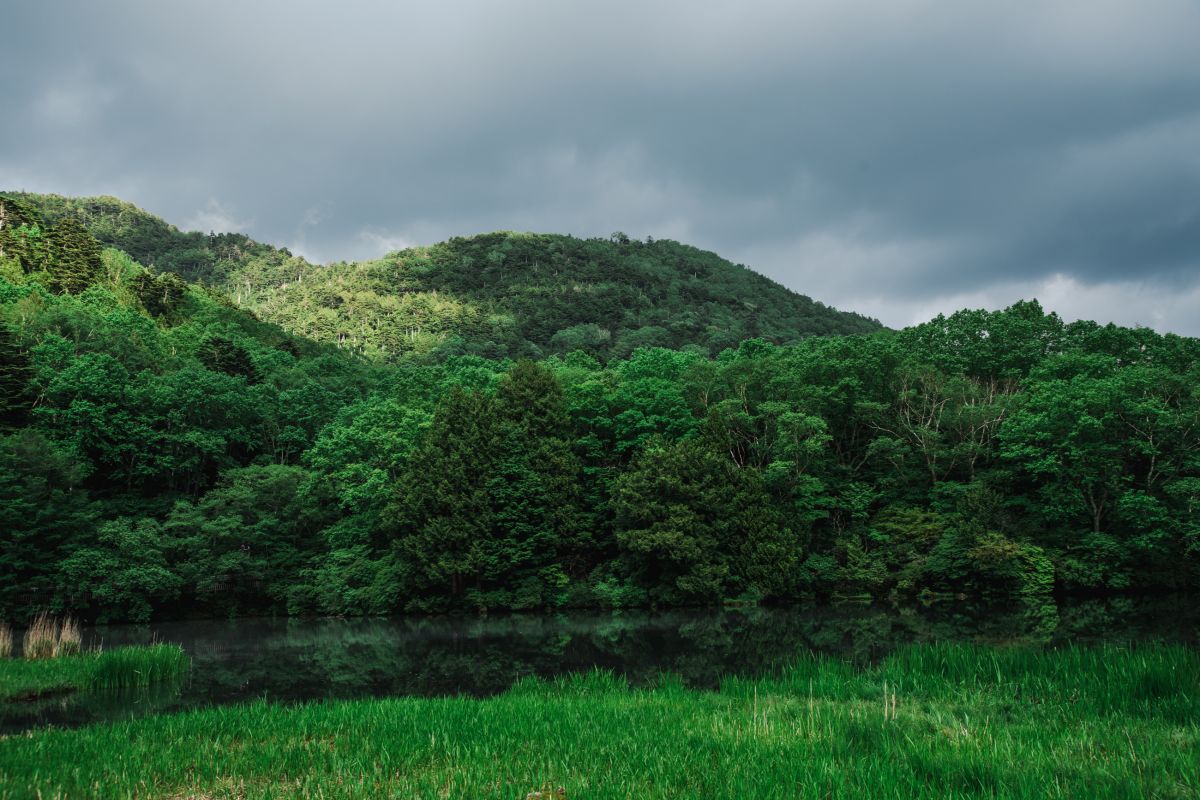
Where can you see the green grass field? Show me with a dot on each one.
(120, 668)
(939, 721)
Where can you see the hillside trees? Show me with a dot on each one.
(15, 373)
(694, 527)
(74, 262)
(164, 452)
(500, 295)
(23, 240)
(487, 509)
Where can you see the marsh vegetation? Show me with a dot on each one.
(928, 721)
(52, 662)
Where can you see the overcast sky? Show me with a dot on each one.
(898, 158)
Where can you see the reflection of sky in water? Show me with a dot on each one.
(290, 660)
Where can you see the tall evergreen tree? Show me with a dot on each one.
(14, 380)
(74, 257)
(441, 518)
(160, 293)
(536, 489)
(22, 234)
(224, 355)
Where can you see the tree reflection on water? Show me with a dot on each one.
(289, 660)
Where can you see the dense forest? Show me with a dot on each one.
(183, 435)
(498, 295)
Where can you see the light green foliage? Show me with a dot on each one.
(363, 451)
(497, 295)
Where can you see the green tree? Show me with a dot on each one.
(15, 374)
(23, 236)
(44, 515)
(696, 528)
(362, 453)
(224, 355)
(75, 261)
(243, 545)
(159, 293)
(540, 528)
(441, 516)
(123, 576)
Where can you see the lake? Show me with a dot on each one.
(288, 660)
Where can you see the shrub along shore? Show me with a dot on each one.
(928, 721)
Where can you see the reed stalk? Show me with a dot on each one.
(69, 639)
(41, 640)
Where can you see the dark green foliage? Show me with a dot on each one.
(159, 293)
(487, 512)
(694, 527)
(44, 516)
(164, 451)
(124, 575)
(241, 547)
(153, 242)
(222, 355)
(23, 239)
(74, 262)
(15, 374)
(443, 519)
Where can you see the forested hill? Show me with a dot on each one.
(497, 295)
(163, 452)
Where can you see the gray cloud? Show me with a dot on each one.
(897, 157)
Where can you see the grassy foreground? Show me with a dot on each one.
(120, 668)
(934, 721)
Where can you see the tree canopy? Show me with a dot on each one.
(165, 451)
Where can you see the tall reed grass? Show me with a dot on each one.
(47, 637)
(41, 639)
(6, 640)
(70, 639)
(137, 667)
(120, 668)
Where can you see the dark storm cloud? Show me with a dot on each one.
(900, 158)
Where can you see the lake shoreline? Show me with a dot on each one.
(928, 721)
(295, 661)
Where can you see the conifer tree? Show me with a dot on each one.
(441, 517)
(223, 355)
(160, 293)
(14, 380)
(22, 235)
(74, 257)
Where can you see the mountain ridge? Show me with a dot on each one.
(498, 294)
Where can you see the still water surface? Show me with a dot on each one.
(291, 660)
